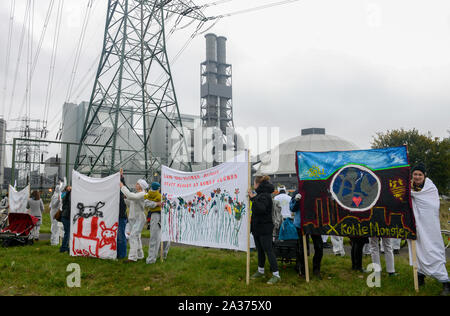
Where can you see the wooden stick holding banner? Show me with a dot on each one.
(305, 254)
(248, 218)
(162, 250)
(414, 258)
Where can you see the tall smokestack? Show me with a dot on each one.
(216, 90)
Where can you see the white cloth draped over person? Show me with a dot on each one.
(136, 219)
(55, 205)
(36, 208)
(431, 257)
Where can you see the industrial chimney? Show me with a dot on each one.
(216, 85)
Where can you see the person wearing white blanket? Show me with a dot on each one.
(55, 205)
(431, 258)
(136, 218)
(36, 207)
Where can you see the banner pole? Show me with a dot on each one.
(305, 254)
(414, 254)
(162, 250)
(248, 218)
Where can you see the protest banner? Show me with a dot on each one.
(94, 218)
(360, 193)
(207, 208)
(18, 200)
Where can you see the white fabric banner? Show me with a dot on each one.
(207, 208)
(94, 218)
(18, 200)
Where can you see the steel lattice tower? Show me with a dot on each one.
(133, 89)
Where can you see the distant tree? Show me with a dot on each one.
(432, 151)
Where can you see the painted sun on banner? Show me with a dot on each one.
(359, 193)
(207, 208)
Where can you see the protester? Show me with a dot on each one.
(65, 218)
(153, 201)
(357, 252)
(337, 244)
(374, 246)
(4, 204)
(284, 200)
(277, 219)
(121, 237)
(55, 205)
(431, 259)
(262, 227)
(317, 241)
(36, 207)
(136, 218)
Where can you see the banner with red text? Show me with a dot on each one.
(207, 208)
(94, 218)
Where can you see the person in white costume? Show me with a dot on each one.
(136, 218)
(55, 205)
(374, 246)
(431, 259)
(284, 200)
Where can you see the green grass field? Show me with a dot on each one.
(41, 270)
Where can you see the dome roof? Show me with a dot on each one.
(281, 159)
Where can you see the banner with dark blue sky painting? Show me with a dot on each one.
(360, 193)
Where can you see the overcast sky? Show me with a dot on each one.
(354, 67)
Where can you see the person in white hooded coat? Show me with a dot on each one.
(55, 205)
(431, 259)
(136, 218)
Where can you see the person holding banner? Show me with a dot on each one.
(153, 201)
(262, 227)
(123, 219)
(55, 205)
(317, 241)
(136, 218)
(65, 218)
(431, 259)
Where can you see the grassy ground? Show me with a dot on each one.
(41, 270)
(444, 214)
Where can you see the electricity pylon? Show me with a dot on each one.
(134, 91)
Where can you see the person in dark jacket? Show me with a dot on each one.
(317, 241)
(121, 238)
(262, 227)
(65, 219)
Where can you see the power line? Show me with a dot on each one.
(19, 57)
(258, 8)
(8, 53)
(79, 49)
(53, 62)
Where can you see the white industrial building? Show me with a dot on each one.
(279, 163)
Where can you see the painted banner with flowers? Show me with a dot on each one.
(360, 193)
(208, 208)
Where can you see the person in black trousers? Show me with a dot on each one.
(262, 227)
(65, 218)
(357, 252)
(121, 237)
(317, 241)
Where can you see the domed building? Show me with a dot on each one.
(279, 163)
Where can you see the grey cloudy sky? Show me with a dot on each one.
(355, 67)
